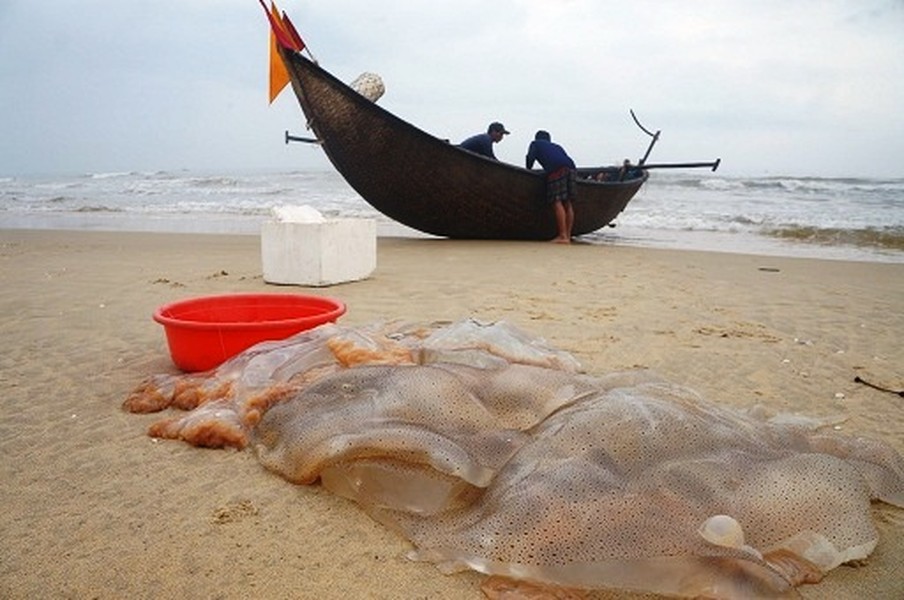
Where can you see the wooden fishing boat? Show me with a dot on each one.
(432, 185)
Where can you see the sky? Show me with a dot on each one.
(806, 87)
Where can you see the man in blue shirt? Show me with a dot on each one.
(560, 181)
(482, 143)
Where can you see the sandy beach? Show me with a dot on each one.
(94, 508)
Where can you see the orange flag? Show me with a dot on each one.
(286, 37)
(279, 75)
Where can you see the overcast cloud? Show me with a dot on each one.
(804, 88)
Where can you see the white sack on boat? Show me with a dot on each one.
(369, 85)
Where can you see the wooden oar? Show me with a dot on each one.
(306, 140)
(689, 165)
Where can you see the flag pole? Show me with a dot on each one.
(311, 54)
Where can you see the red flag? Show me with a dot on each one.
(283, 37)
(293, 33)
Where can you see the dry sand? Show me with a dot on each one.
(92, 508)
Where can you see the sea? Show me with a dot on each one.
(860, 219)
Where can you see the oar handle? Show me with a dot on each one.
(689, 165)
(295, 138)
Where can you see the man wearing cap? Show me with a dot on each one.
(482, 143)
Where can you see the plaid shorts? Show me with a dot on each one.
(560, 185)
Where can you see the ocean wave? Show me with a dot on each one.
(97, 209)
(691, 182)
(58, 185)
(214, 181)
(857, 214)
(745, 220)
(885, 238)
(801, 185)
(277, 191)
(111, 175)
(689, 221)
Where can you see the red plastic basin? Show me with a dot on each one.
(204, 332)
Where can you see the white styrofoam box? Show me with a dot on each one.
(318, 254)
